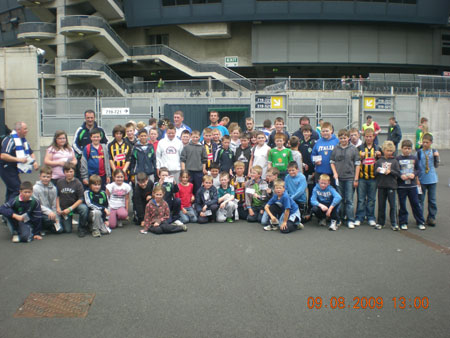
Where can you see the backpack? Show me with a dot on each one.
(20, 209)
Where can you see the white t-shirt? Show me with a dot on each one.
(260, 155)
(117, 194)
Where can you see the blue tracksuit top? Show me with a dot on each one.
(296, 187)
(327, 197)
(324, 148)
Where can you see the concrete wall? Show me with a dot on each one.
(347, 43)
(437, 110)
(18, 79)
(201, 50)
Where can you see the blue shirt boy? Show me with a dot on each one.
(296, 187)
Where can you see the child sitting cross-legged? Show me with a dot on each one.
(157, 215)
(227, 204)
(97, 202)
(282, 211)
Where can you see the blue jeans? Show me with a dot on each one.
(346, 190)
(83, 211)
(25, 231)
(432, 206)
(190, 217)
(367, 192)
(411, 194)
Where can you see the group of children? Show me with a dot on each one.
(281, 186)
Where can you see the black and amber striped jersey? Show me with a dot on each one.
(368, 159)
(119, 153)
(210, 151)
(238, 184)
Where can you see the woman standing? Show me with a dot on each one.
(59, 153)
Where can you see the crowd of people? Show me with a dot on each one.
(174, 175)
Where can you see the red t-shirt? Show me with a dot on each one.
(185, 194)
(101, 162)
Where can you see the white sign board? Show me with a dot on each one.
(115, 111)
(231, 61)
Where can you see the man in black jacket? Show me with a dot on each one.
(394, 133)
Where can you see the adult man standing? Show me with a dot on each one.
(168, 153)
(249, 124)
(304, 120)
(82, 135)
(214, 118)
(370, 123)
(394, 133)
(16, 157)
(178, 118)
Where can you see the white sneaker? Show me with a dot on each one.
(421, 226)
(404, 227)
(300, 226)
(268, 227)
(395, 228)
(378, 226)
(119, 224)
(178, 222)
(333, 225)
(351, 225)
(74, 221)
(15, 239)
(372, 223)
(357, 223)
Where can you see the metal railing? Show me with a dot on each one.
(78, 64)
(46, 68)
(94, 21)
(41, 27)
(192, 64)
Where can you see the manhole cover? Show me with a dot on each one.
(55, 305)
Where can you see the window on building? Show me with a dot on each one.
(445, 44)
(205, 1)
(158, 39)
(187, 2)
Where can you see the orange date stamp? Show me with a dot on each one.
(361, 303)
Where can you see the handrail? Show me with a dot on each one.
(94, 21)
(46, 68)
(80, 64)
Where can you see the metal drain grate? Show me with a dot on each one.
(55, 305)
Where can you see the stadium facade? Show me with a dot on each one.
(112, 44)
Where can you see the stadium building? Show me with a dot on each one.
(234, 55)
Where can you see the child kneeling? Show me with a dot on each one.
(282, 210)
(157, 214)
(325, 200)
(97, 202)
(227, 204)
(23, 215)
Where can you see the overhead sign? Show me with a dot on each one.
(378, 103)
(231, 61)
(269, 102)
(115, 111)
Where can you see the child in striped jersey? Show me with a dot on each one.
(238, 183)
(210, 148)
(367, 185)
(119, 152)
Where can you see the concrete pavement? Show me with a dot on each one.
(235, 280)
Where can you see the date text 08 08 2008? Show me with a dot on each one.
(358, 303)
